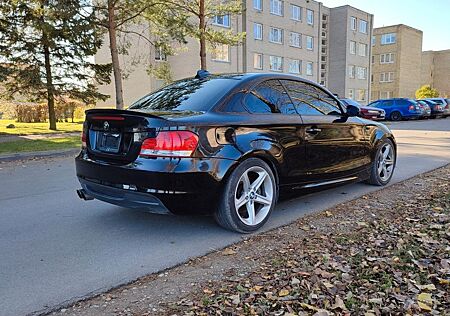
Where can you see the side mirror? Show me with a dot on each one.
(352, 110)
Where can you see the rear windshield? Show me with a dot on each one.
(197, 95)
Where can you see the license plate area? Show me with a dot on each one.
(108, 142)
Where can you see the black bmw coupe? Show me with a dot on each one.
(227, 145)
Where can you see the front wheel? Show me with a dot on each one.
(384, 164)
(248, 198)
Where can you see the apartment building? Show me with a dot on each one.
(435, 70)
(300, 37)
(350, 33)
(396, 62)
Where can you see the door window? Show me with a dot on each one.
(387, 103)
(269, 97)
(310, 100)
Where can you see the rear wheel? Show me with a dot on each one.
(396, 116)
(248, 198)
(384, 164)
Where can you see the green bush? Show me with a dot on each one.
(65, 110)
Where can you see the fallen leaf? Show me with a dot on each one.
(228, 252)
(283, 292)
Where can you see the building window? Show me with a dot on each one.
(351, 71)
(374, 40)
(386, 94)
(257, 5)
(361, 95)
(221, 53)
(310, 17)
(309, 68)
(353, 23)
(276, 35)
(351, 93)
(257, 31)
(258, 61)
(222, 20)
(295, 39)
(296, 12)
(361, 73)
(309, 43)
(387, 77)
(276, 7)
(159, 54)
(276, 63)
(294, 66)
(387, 39)
(363, 26)
(387, 58)
(362, 50)
(352, 47)
(373, 59)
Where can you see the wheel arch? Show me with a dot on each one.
(263, 155)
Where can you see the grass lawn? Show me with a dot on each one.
(37, 128)
(40, 144)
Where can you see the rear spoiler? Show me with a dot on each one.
(122, 112)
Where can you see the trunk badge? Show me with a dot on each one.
(106, 125)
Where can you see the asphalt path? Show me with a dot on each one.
(56, 248)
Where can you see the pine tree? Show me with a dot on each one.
(46, 51)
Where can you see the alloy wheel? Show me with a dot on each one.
(386, 161)
(254, 196)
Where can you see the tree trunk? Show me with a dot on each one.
(202, 28)
(115, 54)
(50, 88)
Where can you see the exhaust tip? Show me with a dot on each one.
(82, 195)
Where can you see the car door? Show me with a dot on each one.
(336, 146)
(279, 121)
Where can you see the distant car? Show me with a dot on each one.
(366, 112)
(437, 110)
(399, 108)
(425, 108)
(444, 103)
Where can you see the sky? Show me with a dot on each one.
(432, 17)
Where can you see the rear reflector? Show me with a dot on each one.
(108, 118)
(170, 144)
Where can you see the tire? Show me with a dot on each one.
(381, 172)
(240, 197)
(396, 116)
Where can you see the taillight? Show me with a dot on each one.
(84, 135)
(170, 144)
(411, 107)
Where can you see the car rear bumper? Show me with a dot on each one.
(161, 185)
(123, 197)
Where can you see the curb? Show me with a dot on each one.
(39, 154)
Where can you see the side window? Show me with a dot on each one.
(375, 104)
(310, 100)
(388, 103)
(273, 95)
(402, 102)
(234, 105)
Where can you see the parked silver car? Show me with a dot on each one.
(445, 103)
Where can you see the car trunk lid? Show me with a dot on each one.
(116, 135)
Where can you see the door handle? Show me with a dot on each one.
(313, 130)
